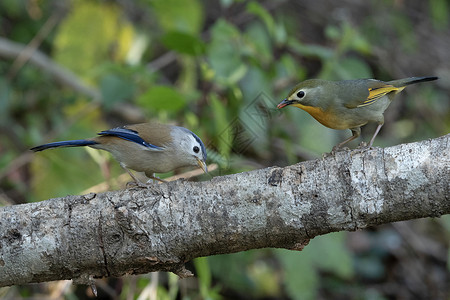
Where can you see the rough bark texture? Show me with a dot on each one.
(141, 230)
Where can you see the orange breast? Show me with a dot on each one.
(325, 118)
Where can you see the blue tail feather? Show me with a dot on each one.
(74, 143)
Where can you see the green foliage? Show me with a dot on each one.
(13, 8)
(218, 69)
(338, 67)
(115, 89)
(327, 253)
(161, 98)
(205, 279)
(183, 43)
(249, 273)
(257, 9)
(439, 10)
(224, 53)
(178, 15)
(258, 48)
(5, 102)
(222, 126)
(93, 33)
(65, 178)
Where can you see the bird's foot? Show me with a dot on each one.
(363, 145)
(335, 149)
(134, 184)
(139, 184)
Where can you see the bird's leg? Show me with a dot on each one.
(153, 177)
(136, 182)
(375, 134)
(356, 132)
(156, 178)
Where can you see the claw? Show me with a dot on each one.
(363, 145)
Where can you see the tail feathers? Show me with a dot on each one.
(407, 81)
(74, 143)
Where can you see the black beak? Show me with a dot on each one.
(284, 103)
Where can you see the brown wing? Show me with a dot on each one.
(153, 133)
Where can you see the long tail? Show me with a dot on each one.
(407, 81)
(74, 143)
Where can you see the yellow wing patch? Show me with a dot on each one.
(378, 92)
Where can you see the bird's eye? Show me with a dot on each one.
(196, 149)
(301, 94)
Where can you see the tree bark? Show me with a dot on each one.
(136, 231)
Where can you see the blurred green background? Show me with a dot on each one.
(69, 69)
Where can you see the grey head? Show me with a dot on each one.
(189, 147)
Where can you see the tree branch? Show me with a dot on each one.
(159, 229)
(12, 50)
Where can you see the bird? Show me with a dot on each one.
(348, 104)
(147, 147)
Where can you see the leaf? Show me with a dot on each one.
(225, 53)
(226, 3)
(183, 43)
(332, 255)
(402, 24)
(203, 274)
(115, 89)
(12, 8)
(300, 276)
(87, 35)
(439, 10)
(287, 67)
(326, 252)
(259, 44)
(280, 34)
(260, 11)
(162, 98)
(231, 270)
(310, 50)
(257, 110)
(5, 101)
(205, 279)
(58, 173)
(351, 68)
(223, 128)
(179, 15)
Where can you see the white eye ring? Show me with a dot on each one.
(300, 94)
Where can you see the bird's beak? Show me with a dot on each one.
(202, 165)
(284, 103)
